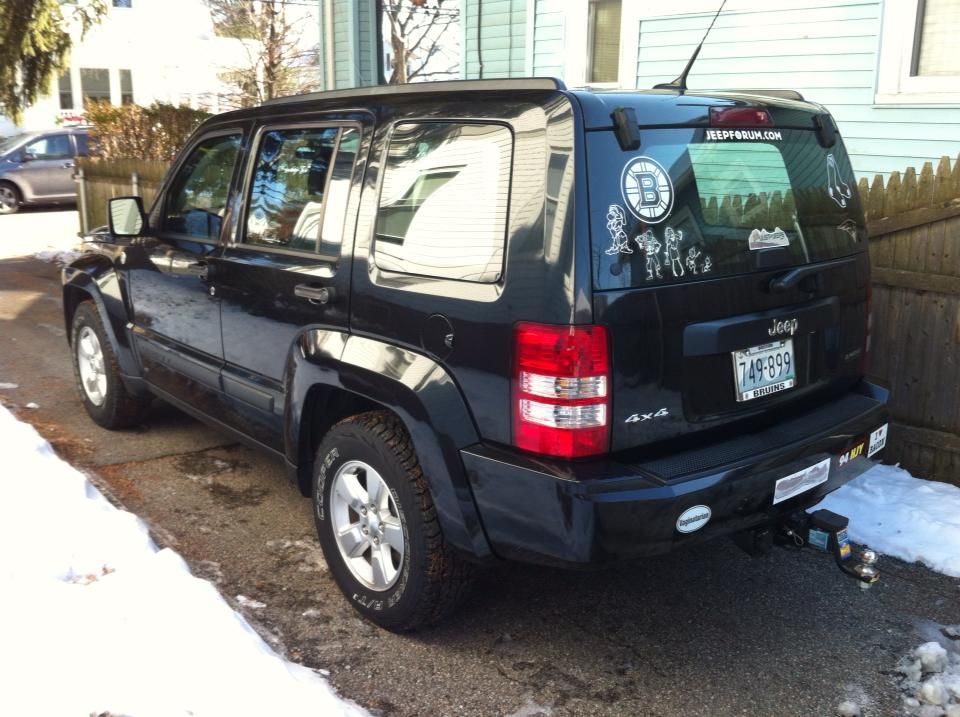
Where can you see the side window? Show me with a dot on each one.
(197, 198)
(288, 186)
(54, 146)
(83, 144)
(443, 202)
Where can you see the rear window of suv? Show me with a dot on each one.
(702, 203)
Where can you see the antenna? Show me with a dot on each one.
(680, 84)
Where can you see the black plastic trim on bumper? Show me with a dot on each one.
(575, 514)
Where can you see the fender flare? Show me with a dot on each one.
(415, 388)
(93, 277)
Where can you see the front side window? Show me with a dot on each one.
(443, 202)
(54, 146)
(288, 187)
(197, 199)
(604, 41)
(95, 84)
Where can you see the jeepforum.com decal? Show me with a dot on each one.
(721, 135)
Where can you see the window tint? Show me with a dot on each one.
(54, 146)
(287, 192)
(443, 203)
(198, 195)
(338, 191)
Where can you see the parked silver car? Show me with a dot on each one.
(37, 167)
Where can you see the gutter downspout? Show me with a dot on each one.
(329, 70)
(479, 50)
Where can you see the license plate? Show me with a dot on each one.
(765, 369)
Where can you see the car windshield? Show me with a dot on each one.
(8, 143)
(711, 202)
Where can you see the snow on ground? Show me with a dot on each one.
(896, 514)
(49, 232)
(95, 618)
(61, 257)
(930, 680)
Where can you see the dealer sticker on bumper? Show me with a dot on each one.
(878, 440)
(797, 483)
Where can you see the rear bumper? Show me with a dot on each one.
(576, 514)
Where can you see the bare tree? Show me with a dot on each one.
(278, 62)
(420, 39)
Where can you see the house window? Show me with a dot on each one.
(604, 41)
(126, 87)
(65, 88)
(918, 59)
(95, 84)
(938, 24)
(123, 3)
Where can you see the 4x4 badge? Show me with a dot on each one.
(640, 417)
(786, 326)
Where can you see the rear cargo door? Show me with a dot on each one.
(730, 268)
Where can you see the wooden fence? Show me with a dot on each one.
(914, 226)
(100, 180)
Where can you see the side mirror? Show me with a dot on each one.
(126, 216)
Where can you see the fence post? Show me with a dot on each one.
(135, 184)
(81, 180)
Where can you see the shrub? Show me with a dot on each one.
(135, 132)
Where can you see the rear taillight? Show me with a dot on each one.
(561, 388)
(739, 117)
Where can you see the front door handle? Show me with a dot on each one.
(312, 293)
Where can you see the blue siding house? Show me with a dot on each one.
(887, 69)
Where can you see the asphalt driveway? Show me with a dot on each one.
(709, 631)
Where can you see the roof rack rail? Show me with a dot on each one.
(782, 94)
(520, 83)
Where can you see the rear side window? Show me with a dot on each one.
(288, 187)
(197, 198)
(444, 199)
(696, 203)
(83, 144)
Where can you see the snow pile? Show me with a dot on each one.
(931, 681)
(896, 514)
(95, 618)
(60, 257)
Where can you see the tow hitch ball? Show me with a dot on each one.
(827, 531)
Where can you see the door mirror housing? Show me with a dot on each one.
(126, 216)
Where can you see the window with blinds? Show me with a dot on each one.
(938, 26)
(604, 34)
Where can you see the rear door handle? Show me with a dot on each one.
(313, 294)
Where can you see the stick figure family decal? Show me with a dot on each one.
(696, 261)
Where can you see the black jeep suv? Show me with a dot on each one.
(501, 319)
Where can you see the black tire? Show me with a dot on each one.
(10, 198)
(432, 578)
(117, 408)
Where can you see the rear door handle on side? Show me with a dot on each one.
(312, 293)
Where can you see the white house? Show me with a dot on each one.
(143, 51)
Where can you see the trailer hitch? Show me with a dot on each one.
(827, 531)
